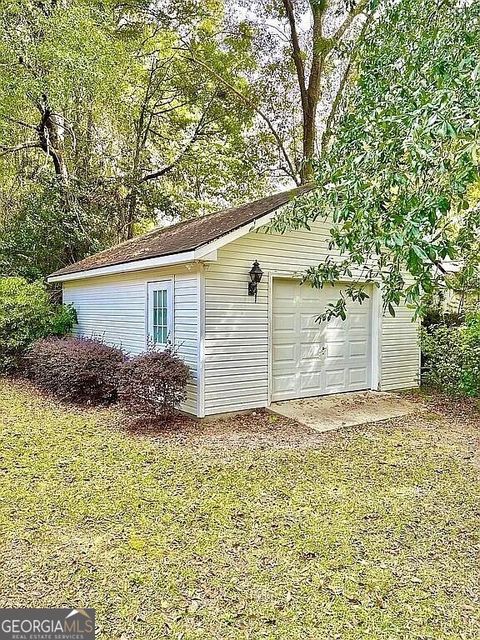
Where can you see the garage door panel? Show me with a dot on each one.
(356, 319)
(311, 337)
(335, 349)
(336, 335)
(310, 381)
(284, 353)
(284, 322)
(289, 291)
(311, 358)
(335, 378)
(307, 321)
(311, 350)
(334, 323)
(307, 294)
(284, 385)
(313, 332)
(314, 365)
(357, 376)
(357, 348)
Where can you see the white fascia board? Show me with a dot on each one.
(125, 267)
(205, 253)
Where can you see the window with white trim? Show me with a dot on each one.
(160, 312)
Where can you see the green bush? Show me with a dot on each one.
(27, 314)
(62, 319)
(451, 357)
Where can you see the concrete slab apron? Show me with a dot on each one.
(338, 410)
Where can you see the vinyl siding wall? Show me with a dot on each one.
(400, 351)
(237, 328)
(114, 308)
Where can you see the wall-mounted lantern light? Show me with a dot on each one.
(255, 277)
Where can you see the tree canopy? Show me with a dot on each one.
(115, 116)
(105, 128)
(118, 115)
(400, 175)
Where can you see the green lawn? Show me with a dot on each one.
(369, 533)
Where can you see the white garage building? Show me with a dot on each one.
(189, 284)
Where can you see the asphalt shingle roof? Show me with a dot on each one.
(184, 236)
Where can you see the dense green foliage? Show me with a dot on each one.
(26, 314)
(37, 234)
(400, 175)
(451, 357)
(117, 115)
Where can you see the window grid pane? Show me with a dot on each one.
(160, 316)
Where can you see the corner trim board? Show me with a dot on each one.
(201, 345)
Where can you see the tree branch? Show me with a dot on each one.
(163, 111)
(318, 57)
(327, 134)
(338, 35)
(19, 122)
(49, 139)
(26, 145)
(196, 134)
(337, 101)
(252, 105)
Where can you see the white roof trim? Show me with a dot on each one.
(125, 267)
(207, 252)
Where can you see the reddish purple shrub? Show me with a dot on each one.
(153, 383)
(77, 369)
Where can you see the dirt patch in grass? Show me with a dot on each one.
(260, 428)
(446, 405)
(252, 429)
(460, 416)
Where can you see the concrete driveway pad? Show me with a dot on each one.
(324, 413)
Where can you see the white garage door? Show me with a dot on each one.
(309, 358)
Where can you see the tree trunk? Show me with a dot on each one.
(309, 87)
(306, 171)
(131, 209)
(50, 139)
